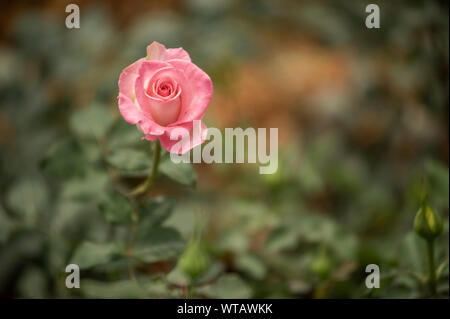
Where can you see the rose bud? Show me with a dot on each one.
(427, 223)
(194, 261)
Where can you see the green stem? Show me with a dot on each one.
(141, 189)
(191, 290)
(130, 248)
(431, 267)
(145, 186)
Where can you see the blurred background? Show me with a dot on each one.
(362, 116)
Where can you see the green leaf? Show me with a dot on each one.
(84, 188)
(251, 265)
(32, 284)
(91, 122)
(182, 173)
(123, 135)
(177, 277)
(116, 208)
(154, 212)
(440, 269)
(157, 244)
(24, 246)
(282, 238)
(112, 290)
(158, 288)
(6, 225)
(130, 161)
(67, 217)
(234, 240)
(412, 253)
(90, 254)
(345, 245)
(56, 254)
(91, 152)
(64, 159)
(213, 272)
(28, 197)
(231, 286)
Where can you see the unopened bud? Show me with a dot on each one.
(194, 261)
(321, 265)
(427, 223)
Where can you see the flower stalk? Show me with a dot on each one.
(139, 190)
(431, 267)
(428, 225)
(147, 184)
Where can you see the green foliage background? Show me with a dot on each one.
(341, 199)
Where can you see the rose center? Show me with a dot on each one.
(164, 100)
(164, 89)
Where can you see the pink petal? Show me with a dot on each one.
(128, 77)
(201, 91)
(145, 74)
(133, 115)
(164, 112)
(177, 53)
(157, 51)
(150, 137)
(129, 110)
(150, 127)
(188, 141)
(187, 125)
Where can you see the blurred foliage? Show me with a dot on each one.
(362, 114)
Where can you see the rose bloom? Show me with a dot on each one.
(165, 91)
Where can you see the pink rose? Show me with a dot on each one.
(165, 91)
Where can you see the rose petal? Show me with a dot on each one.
(154, 107)
(157, 51)
(177, 53)
(133, 115)
(187, 141)
(201, 91)
(165, 112)
(150, 127)
(145, 74)
(150, 137)
(129, 110)
(128, 77)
